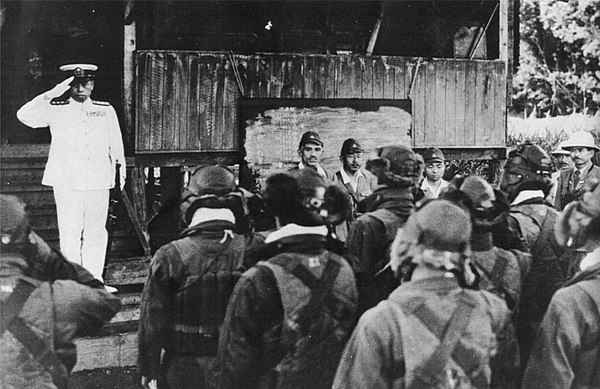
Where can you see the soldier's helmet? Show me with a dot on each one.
(14, 221)
(211, 186)
(438, 236)
(527, 168)
(303, 197)
(397, 166)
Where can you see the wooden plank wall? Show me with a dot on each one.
(187, 101)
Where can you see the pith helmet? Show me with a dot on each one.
(580, 139)
(560, 150)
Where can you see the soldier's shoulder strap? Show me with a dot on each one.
(57, 101)
(14, 303)
(11, 308)
(545, 233)
(102, 103)
(498, 270)
(389, 219)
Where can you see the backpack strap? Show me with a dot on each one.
(459, 320)
(547, 229)
(14, 303)
(349, 188)
(320, 290)
(498, 270)
(40, 351)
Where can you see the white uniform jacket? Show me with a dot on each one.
(86, 141)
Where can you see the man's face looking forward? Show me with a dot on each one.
(81, 90)
(310, 154)
(581, 155)
(352, 162)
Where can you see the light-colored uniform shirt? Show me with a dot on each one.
(430, 191)
(320, 170)
(86, 141)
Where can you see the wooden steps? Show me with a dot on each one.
(116, 343)
(21, 172)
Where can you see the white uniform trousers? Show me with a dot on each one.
(82, 226)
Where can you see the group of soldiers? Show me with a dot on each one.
(378, 276)
(381, 277)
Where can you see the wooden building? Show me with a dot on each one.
(179, 72)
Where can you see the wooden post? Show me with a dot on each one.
(137, 177)
(375, 33)
(129, 46)
(507, 26)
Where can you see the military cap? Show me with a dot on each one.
(433, 154)
(351, 146)
(81, 71)
(310, 137)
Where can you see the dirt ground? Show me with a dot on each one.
(112, 378)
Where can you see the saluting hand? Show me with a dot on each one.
(148, 383)
(60, 88)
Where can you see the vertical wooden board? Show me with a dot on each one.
(357, 75)
(490, 102)
(273, 77)
(367, 78)
(440, 138)
(319, 84)
(500, 105)
(157, 101)
(482, 93)
(308, 74)
(297, 76)
(285, 84)
(264, 74)
(419, 97)
(400, 76)
(250, 71)
(379, 78)
(348, 89)
(230, 98)
(460, 69)
(450, 89)
(470, 102)
(144, 94)
(206, 104)
(183, 88)
(193, 132)
(169, 109)
(331, 77)
(389, 78)
(430, 109)
(219, 89)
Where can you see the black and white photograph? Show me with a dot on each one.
(299, 194)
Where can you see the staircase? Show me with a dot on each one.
(21, 171)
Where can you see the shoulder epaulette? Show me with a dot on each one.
(103, 103)
(59, 102)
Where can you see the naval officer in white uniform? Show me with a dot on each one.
(86, 145)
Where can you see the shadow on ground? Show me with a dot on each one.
(109, 378)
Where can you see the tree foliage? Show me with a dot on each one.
(559, 69)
